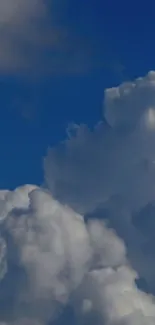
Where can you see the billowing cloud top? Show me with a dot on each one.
(117, 158)
(109, 174)
(81, 250)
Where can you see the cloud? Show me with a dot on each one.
(81, 249)
(43, 248)
(31, 37)
(108, 174)
(36, 39)
(116, 158)
(18, 26)
(57, 259)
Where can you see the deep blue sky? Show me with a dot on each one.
(35, 115)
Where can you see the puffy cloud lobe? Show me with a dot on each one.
(47, 242)
(115, 298)
(108, 294)
(53, 248)
(108, 249)
(124, 105)
(108, 160)
(60, 259)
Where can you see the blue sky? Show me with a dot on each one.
(35, 112)
(79, 249)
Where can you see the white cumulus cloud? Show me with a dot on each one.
(81, 250)
(57, 259)
(108, 174)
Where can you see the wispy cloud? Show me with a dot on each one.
(35, 38)
(26, 31)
